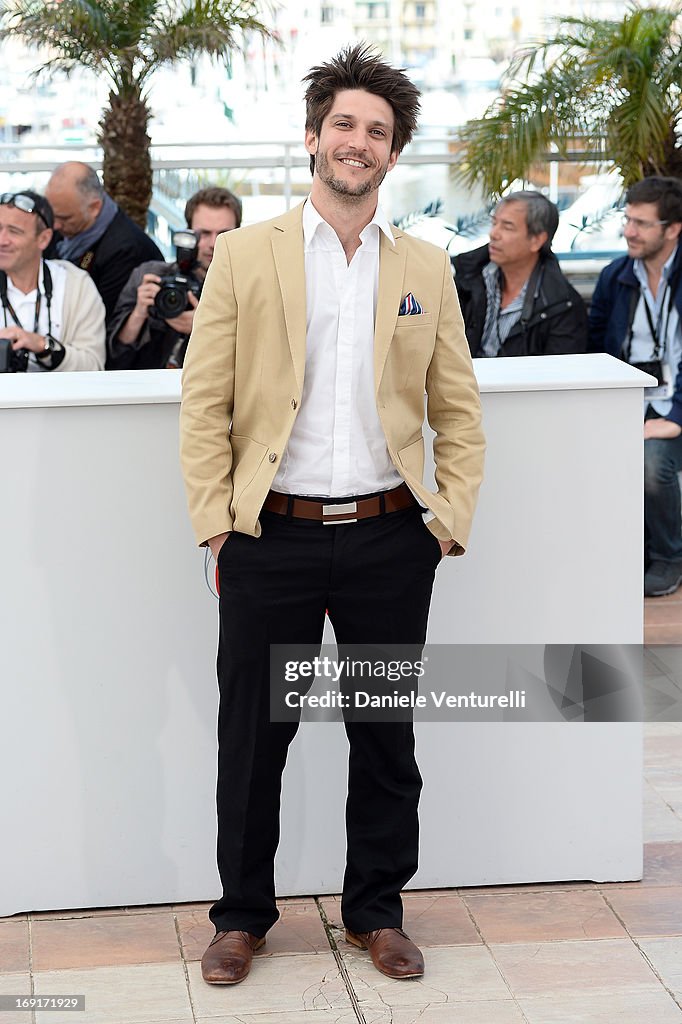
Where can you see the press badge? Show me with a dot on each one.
(664, 390)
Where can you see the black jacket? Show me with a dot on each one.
(553, 320)
(613, 309)
(110, 262)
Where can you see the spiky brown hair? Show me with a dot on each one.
(359, 67)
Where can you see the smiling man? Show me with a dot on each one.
(378, 158)
(52, 316)
(515, 299)
(635, 315)
(316, 337)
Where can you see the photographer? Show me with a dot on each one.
(636, 315)
(52, 317)
(140, 335)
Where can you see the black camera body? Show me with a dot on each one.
(11, 361)
(172, 298)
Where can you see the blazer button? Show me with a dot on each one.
(294, 403)
(272, 457)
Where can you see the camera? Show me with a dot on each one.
(654, 368)
(11, 361)
(171, 299)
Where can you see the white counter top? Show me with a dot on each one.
(555, 557)
(150, 387)
(89, 387)
(558, 373)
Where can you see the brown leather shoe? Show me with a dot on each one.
(392, 951)
(228, 958)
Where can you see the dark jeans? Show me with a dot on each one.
(662, 513)
(375, 578)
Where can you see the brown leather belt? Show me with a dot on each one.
(348, 512)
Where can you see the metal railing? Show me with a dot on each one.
(279, 168)
(290, 154)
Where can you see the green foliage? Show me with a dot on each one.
(614, 85)
(128, 40)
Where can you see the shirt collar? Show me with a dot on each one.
(383, 223)
(21, 296)
(490, 271)
(312, 220)
(491, 278)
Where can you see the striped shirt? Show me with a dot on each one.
(498, 322)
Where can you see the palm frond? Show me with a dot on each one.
(637, 132)
(129, 39)
(76, 30)
(213, 27)
(619, 79)
(432, 209)
(520, 127)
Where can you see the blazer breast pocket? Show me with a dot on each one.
(414, 320)
(412, 348)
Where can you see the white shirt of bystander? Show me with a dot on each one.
(24, 305)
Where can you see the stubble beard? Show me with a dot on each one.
(343, 188)
(648, 250)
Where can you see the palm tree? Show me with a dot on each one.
(127, 41)
(610, 87)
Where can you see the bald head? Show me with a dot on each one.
(76, 195)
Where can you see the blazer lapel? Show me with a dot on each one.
(391, 277)
(287, 251)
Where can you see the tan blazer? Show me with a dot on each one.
(243, 378)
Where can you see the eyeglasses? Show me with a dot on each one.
(642, 225)
(23, 202)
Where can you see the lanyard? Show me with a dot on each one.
(659, 336)
(659, 332)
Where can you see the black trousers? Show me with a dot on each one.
(375, 579)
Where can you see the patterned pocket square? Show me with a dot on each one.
(409, 306)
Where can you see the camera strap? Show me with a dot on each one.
(7, 306)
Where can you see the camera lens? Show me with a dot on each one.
(171, 301)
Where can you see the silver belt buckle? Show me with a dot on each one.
(338, 510)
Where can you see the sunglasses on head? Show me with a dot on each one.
(23, 202)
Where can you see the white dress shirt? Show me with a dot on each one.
(337, 447)
(25, 307)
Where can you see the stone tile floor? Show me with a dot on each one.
(578, 952)
(563, 953)
(663, 619)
